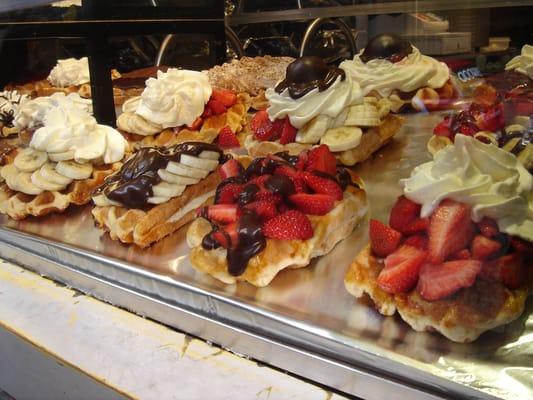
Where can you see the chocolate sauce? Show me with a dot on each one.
(280, 184)
(308, 73)
(345, 179)
(251, 242)
(129, 83)
(132, 185)
(524, 138)
(387, 46)
(293, 160)
(248, 193)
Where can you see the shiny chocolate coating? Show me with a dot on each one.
(280, 184)
(387, 46)
(251, 242)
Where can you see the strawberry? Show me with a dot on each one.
(226, 97)
(509, 270)
(403, 213)
(227, 139)
(263, 208)
(463, 254)
(289, 171)
(313, 204)
(439, 281)
(401, 270)
(467, 129)
(288, 132)
(416, 226)
(228, 237)
(383, 240)
(450, 230)
(228, 193)
(230, 168)
(290, 225)
(197, 123)
(522, 246)
(216, 107)
(277, 129)
(303, 157)
(493, 120)
(321, 159)
(444, 128)
(322, 185)
(258, 120)
(223, 213)
(265, 132)
(483, 248)
(207, 112)
(488, 227)
(268, 196)
(485, 95)
(418, 241)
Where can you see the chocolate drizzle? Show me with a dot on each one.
(251, 242)
(387, 46)
(524, 139)
(7, 116)
(306, 74)
(132, 185)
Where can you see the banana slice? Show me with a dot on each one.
(514, 128)
(200, 163)
(38, 180)
(314, 129)
(1, 177)
(343, 138)
(165, 189)
(176, 179)
(94, 150)
(74, 170)
(384, 107)
(437, 143)
(185, 171)
(158, 199)
(209, 155)
(25, 185)
(49, 173)
(523, 120)
(29, 160)
(101, 200)
(365, 115)
(66, 155)
(339, 120)
(9, 174)
(487, 137)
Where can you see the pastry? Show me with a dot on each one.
(273, 213)
(156, 191)
(66, 158)
(316, 104)
(180, 106)
(456, 256)
(390, 67)
(10, 102)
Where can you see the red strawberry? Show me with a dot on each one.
(228, 237)
(303, 157)
(468, 129)
(289, 171)
(223, 213)
(521, 246)
(226, 97)
(230, 168)
(383, 240)
(288, 133)
(488, 227)
(258, 120)
(509, 270)
(483, 248)
(197, 123)
(418, 241)
(265, 195)
(207, 112)
(265, 132)
(313, 204)
(321, 159)
(493, 120)
(216, 107)
(322, 185)
(438, 281)
(401, 270)
(227, 139)
(403, 213)
(444, 128)
(462, 255)
(450, 230)
(228, 193)
(260, 180)
(416, 226)
(277, 129)
(263, 208)
(290, 225)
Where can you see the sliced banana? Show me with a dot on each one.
(339, 120)
(25, 185)
(9, 174)
(38, 180)
(185, 171)
(157, 199)
(176, 179)
(66, 155)
(384, 107)
(29, 160)
(514, 128)
(523, 120)
(101, 200)
(486, 137)
(343, 138)
(365, 115)
(200, 163)
(49, 173)
(437, 143)
(165, 189)
(210, 155)
(314, 129)
(74, 170)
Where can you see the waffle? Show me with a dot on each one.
(144, 227)
(461, 317)
(372, 139)
(280, 254)
(423, 99)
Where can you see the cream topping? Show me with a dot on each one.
(522, 63)
(70, 72)
(411, 73)
(485, 177)
(10, 102)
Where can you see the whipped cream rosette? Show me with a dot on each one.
(522, 63)
(10, 102)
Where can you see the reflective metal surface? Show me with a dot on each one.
(306, 313)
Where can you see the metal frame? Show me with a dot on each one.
(317, 23)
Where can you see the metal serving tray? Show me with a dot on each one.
(305, 321)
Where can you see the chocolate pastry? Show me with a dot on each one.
(388, 46)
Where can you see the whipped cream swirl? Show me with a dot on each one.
(330, 102)
(412, 72)
(522, 63)
(490, 180)
(70, 72)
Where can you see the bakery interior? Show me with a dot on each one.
(319, 199)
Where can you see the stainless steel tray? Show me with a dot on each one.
(305, 321)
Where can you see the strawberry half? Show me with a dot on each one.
(226, 97)
(313, 204)
(418, 241)
(439, 281)
(510, 270)
(290, 225)
(322, 185)
(450, 230)
(228, 193)
(230, 168)
(228, 237)
(403, 213)
(227, 139)
(223, 213)
(265, 209)
(216, 106)
(419, 225)
(400, 273)
(258, 120)
(488, 227)
(290, 172)
(321, 159)
(483, 248)
(288, 132)
(444, 128)
(383, 239)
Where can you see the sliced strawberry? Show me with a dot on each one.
(493, 120)
(289, 171)
(444, 128)
(303, 157)
(259, 119)
(467, 129)
(228, 193)
(418, 241)
(290, 225)
(322, 185)
(483, 248)
(521, 246)
(510, 270)
(383, 239)
(197, 124)
(463, 254)
(223, 213)
(442, 280)
(321, 159)
(268, 196)
(313, 204)
(216, 107)
(488, 227)
(401, 270)
(264, 209)
(265, 132)
(207, 112)
(226, 97)
(288, 133)
(403, 213)
(227, 139)
(418, 225)
(450, 230)
(228, 237)
(277, 129)
(230, 168)
(260, 180)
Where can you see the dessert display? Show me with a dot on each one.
(390, 67)
(456, 256)
(317, 104)
(522, 63)
(180, 106)
(157, 191)
(68, 155)
(10, 102)
(275, 212)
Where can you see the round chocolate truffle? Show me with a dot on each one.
(388, 46)
(306, 69)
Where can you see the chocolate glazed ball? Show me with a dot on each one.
(306, 69)
(388, 46)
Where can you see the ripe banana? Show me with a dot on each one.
(176, 179)
(165, 189)
(364, 115)
(200, 163)
(343, 138)
(314, 129)
(74, 170)
(29, 160)
(184, 170)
